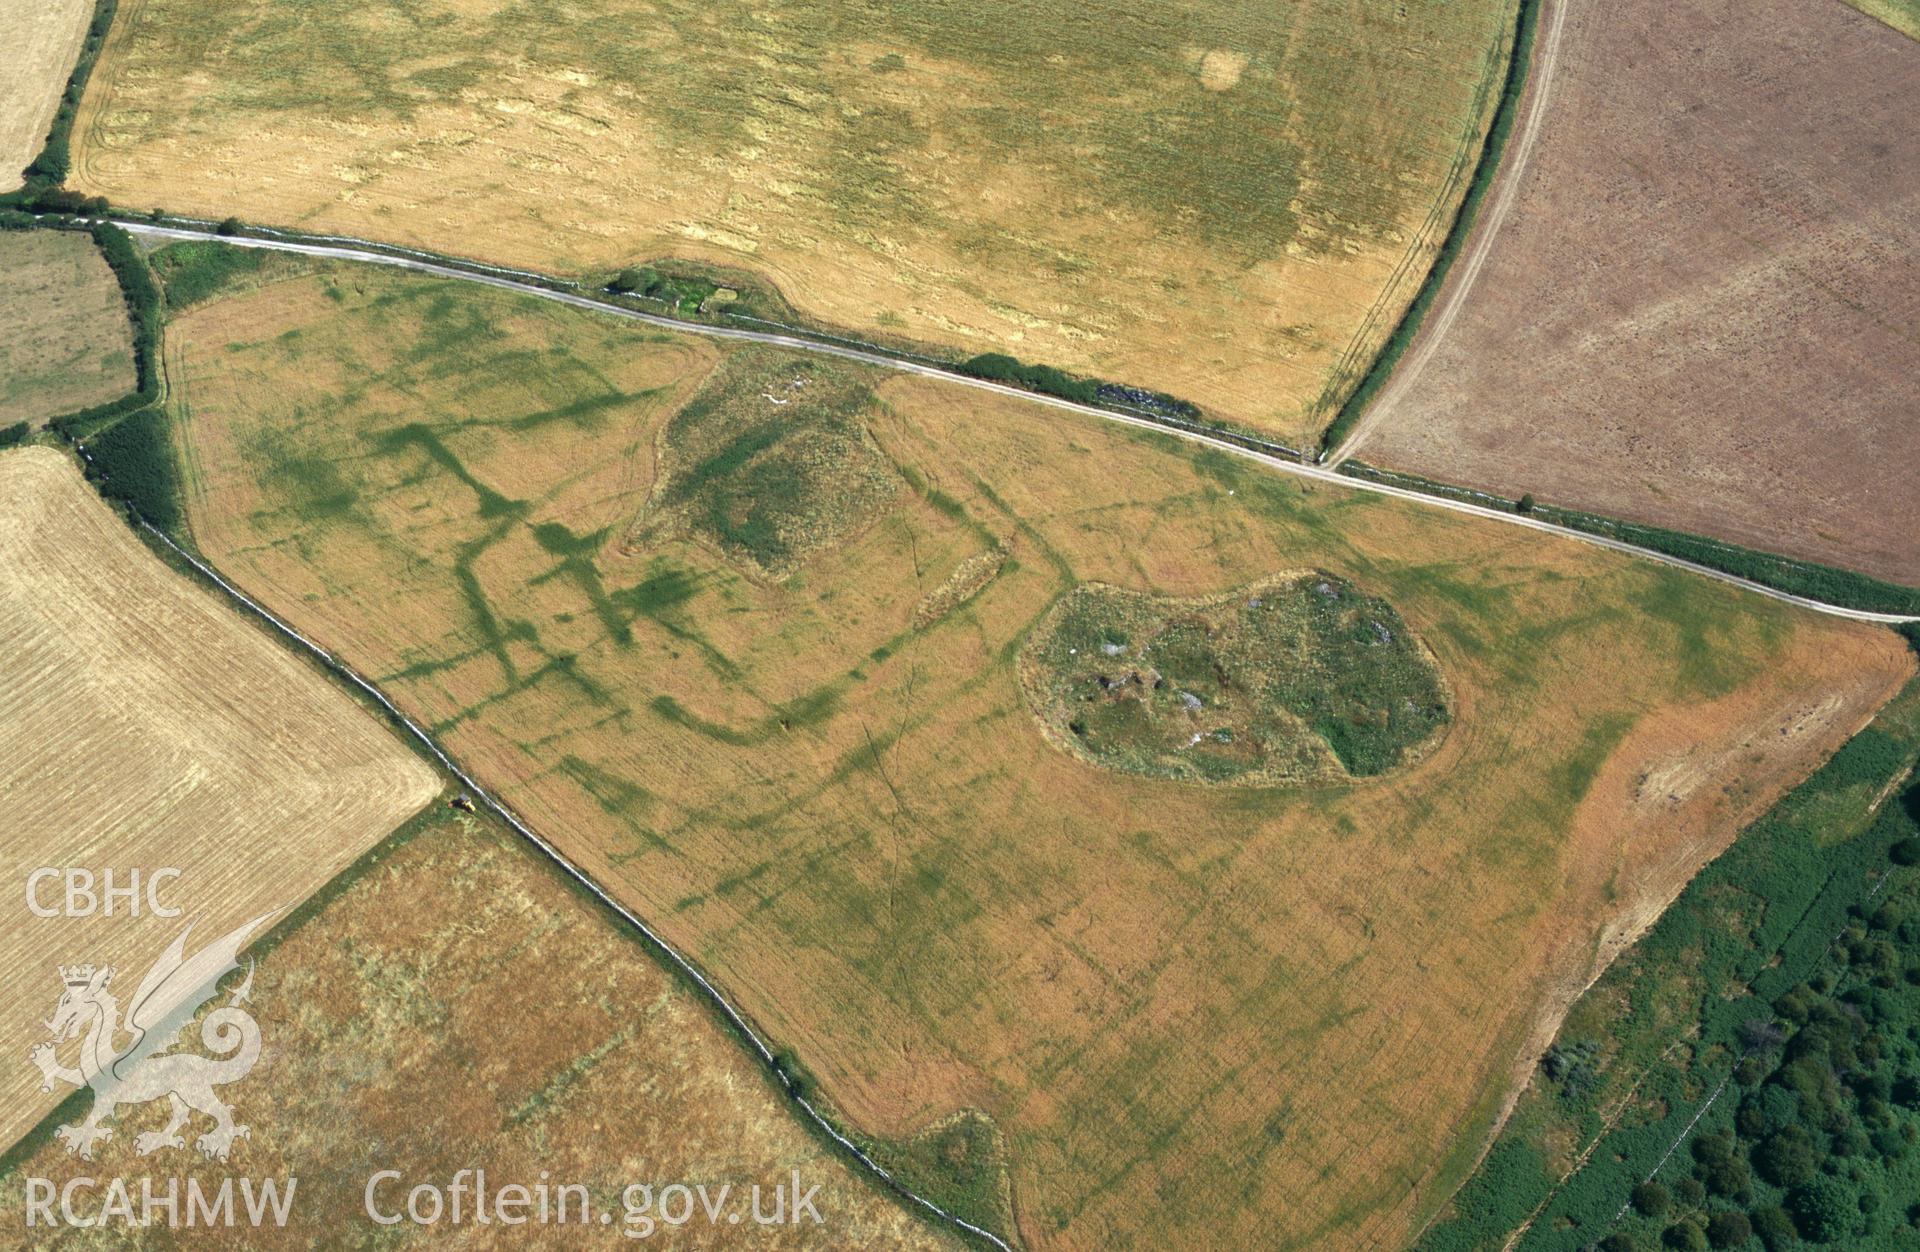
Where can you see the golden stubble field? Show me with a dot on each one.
(144, 726)
(458, 1005)
(68, 343)
(42, 40)
(1196, 1015)
(1229, 203)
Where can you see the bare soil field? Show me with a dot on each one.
(1182, 1008)
(1701, 312)
(1231, 204)
(68, 343)
(457, 1005)
(143, 726)
(42, 40)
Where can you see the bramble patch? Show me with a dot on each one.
(1293, 678)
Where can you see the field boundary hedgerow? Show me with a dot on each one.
(1526, 22)
(1806, 582)
(123, 442)
(1791, 575)
(1010, 372)
(53, 162)
(1034, 379)
(1355, 362)
(1709, 560)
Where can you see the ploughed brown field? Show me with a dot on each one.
(145, 726)
(1704, 310)
(1179, 1006)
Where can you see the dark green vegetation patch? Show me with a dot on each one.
(771, 461)
(1748, 1075)
(959, 1164)
(132, 461)
(1294, 678)
(194, 273)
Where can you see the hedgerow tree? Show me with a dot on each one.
(1824, 1209)
(1767, 1111)
(1729, 1230)
(1787, 1158)
(1774, 1227)
(1685, 1236)
(1650, 1199)
(1727, 1178)
(634, 278)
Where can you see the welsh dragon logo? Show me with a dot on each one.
(146, 1069)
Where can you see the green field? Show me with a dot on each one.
(1160, 1005)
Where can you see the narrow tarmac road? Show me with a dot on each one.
(1318, 473)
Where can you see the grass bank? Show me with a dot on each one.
(1811, 579)
(1525, 25)
(1690, 1024)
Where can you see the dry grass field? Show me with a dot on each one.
(1226, 202)
(144, 726)
(1701, 313)
(42, 39)
(68, 343)
(1194, 1014)
(456, 1005)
